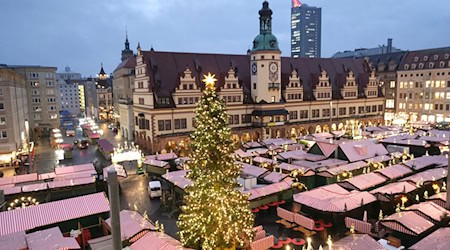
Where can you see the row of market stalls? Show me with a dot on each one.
(79, 223)
(64, 182)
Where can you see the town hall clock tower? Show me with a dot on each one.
(265, 61)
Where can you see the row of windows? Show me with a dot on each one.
(294, 96)
(435, 57)
(321, 95)
(421, 65)
(428, 84)
(232, 98)
(47, 75)
(350, 94)
(188, 100)
(372, 93)
(421, 74)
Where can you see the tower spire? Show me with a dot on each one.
(127, 44)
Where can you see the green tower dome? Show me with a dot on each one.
(265, 40)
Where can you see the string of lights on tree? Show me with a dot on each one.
(215, 214)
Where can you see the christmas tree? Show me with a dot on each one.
(215, 214)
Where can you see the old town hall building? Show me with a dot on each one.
(267, 95)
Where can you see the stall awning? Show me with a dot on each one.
(53, 212)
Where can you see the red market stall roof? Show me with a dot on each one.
(327, 148)
(333, 198)
(119, 170)
(53, 212)
(51, 239)
(278, 142)
(252, 144)
(267, 190)
(8, 190)
(395, 171)
(259, 159)
(274, 177)
(166, 157)
(380, 158)
(439, 198)
(296, 154)
(157, 241)
(361, 150)
(34, 187)
(178, 178)
(241, 153)
(314, 157)
(71, 182)
(105, 145)
(430, 210)
(74, 169)
(426, 176)
(427, 161)
(252, 170)
(18, 179)
(407, 222)
(291, 167)
(363, 182)
(14, 241)
(356, 242)
(156, 163)
(131, 223)
(395, 188)
(343, 168)
(329, 163)
(438, 240)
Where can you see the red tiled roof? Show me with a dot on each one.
(356, 242)
(166, 68)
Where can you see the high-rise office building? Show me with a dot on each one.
(305, 30)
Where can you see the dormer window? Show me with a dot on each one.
(406, 66)
(446, 56)
(416, 59)
(442, 64)
(420, 65)
(436, 57)
(413, 66)
(425, 58)
(431, 65)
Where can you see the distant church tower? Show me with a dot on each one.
(127, 52)
(265, 62)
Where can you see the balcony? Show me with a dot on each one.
(274, 86)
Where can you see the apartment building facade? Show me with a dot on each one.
(42, 95)
(14, 121)
(423, 89)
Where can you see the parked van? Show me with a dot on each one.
(154, 189)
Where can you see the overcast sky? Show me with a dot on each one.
(84, 33)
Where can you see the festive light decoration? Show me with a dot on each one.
(215, 214)
(22, 203)
(404, 200)
(380, 215)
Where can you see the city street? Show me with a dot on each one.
(133, 194)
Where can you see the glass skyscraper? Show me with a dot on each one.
(305, 30)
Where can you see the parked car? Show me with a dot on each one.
(154, 189)
(83, 144)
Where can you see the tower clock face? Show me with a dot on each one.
(273, 67)
(273, 71)
(254, 69)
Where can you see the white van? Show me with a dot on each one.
(154, 189)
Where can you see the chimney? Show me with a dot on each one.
(389, 45)
(113, 189)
